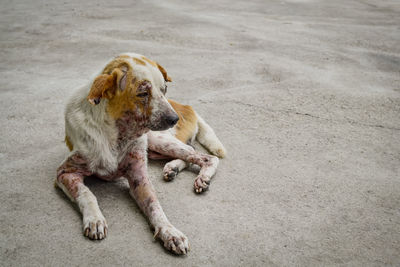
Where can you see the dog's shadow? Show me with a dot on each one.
(110, 192)
(104, 192)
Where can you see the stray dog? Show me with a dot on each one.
(113, 124)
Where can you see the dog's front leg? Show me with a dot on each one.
(142, 191)
(70, 177)
(165, 144)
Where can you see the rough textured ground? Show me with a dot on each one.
(304, 94)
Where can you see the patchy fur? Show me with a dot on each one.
(111, 123)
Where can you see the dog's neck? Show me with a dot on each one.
(130, 127)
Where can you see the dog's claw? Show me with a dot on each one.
(170, 174)
(182, 248)
(173, 239)
(173, 248)
(201, 184)
(95, 228)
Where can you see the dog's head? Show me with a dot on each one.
(136, 85)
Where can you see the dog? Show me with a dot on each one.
(114, 124)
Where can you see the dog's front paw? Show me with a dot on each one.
(201, 183)
(170, 173)
(174, 240)
(95, 227)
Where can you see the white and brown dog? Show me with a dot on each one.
(113, 124)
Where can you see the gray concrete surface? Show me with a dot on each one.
(304, 94)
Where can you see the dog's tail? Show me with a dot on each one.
(206, 137)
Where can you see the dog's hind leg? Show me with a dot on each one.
(70, 177)
(165, 144)
(172, 168)
(207, 137)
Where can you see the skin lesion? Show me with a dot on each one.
(74, 164)
(129, 104)
(71, 182)
(128, 100)
(137, 157)
(72, 172)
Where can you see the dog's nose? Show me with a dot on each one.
(172, 119)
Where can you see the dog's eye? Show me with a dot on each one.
(144, 94)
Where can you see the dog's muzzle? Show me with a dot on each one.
(165, 122)
(171, 120)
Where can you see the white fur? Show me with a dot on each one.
(175, 164)
(89, 208)
(93, 132)
(207, 137)
(65, 190)
(94, 135)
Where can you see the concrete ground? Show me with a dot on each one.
(304, 94)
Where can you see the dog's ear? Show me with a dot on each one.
(164, 73)
(104, 85)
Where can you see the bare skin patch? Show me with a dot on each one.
(178, 150)
(111, 141)
(122, 101)
(129, 101)
(134, 168)
(70, 176)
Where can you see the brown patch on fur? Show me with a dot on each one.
(151, 62)
(127, 100)
(99, 87)
(164, 73)
(118, 62)
(185, 129)
(139, 61)
(68, 143)
(107, 86)
(162, 70)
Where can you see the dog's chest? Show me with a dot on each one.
(126, 135)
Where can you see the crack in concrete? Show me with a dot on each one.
(353, 122)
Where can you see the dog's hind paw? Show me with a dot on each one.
(218, 151)
(174, 240)
(95, 228)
